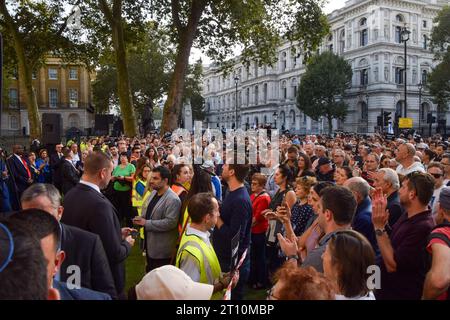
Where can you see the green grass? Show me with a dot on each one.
(135, 270)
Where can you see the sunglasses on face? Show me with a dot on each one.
(436, 175)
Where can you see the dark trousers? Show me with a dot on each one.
(155, 263)
(258, 269)
(122, 202)
(244, 272)
(274, 262)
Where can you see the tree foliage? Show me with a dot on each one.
(218, 26)
(322, 87)
(439, 80)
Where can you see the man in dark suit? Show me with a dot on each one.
(55, 164)
(87, 208)
(83, 249)
(20, 174)
(70, 176)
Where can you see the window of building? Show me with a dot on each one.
(53, 74)
(256, 95)
(13, 98)
(399, 18)
(425, 41)
(247, 96)
(398, 34)
(330, 48)
(265, 92)
(399, 75)
(294, 88)
(424, 23)
(364, 111)
(53, 97)
(73, 74)
(13, 122)
(364, 38)
(364, 77)
(283, 90)
(73, 98)
(363, 22)
(283, 61)
(424, 76)
(292, 116)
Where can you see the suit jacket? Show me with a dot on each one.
(78, 294)
(362, 222)
(69, 176)
(55, 164)
(161, 231)
(89, 210)
(85, 250)
(19, 173)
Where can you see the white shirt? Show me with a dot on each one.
(92, 185)
(369, 296)
(416, 166)
(75, 159)
(435, 200)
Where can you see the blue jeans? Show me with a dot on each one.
(244, 272)
(258, 270)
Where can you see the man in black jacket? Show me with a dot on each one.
(83, 249)
(55, 164)
(69, 174)
(20, 174)
(87, 208)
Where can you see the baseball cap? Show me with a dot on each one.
(323, 160)
(444, 198)
(170, 283)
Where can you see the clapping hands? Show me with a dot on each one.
(380, 215)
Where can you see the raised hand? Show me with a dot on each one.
(380, 215)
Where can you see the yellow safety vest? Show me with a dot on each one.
(206, 256)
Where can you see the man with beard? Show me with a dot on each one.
(402, 266)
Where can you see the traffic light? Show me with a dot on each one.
(386, 118)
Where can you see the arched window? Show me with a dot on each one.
(424, 76)
(399, 18)
(283, 90)
(292, 116)
(294, 88)
(364, 38)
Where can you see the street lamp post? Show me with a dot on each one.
(405, 37)
(236, 81)
(420, 107)
(275, 115)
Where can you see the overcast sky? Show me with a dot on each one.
(196, 53)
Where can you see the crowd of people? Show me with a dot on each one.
(347, 217)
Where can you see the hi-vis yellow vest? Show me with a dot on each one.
(136, 198)
(206, 256)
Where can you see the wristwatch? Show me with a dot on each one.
(379, 232)
(294, 256)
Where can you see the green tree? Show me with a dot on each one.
(217, 26)
(113, 26)
(322, 87)
(32, 30)
(439, 80)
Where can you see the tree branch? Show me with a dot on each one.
(64, 25)
(106, 11)
(176, 15)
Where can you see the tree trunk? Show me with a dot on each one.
(123, 81)
(173, 105)
(25, 81)
(330, 125)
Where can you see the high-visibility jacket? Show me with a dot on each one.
(207, 260)
(184, 220)
(178, 189)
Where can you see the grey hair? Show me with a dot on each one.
(391, 176)
(358, 185)
(42, 189)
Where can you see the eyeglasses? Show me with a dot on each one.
(436, 175)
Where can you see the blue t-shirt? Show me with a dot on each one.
(236, 212)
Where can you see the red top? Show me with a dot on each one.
(259, 204)
(445, 231)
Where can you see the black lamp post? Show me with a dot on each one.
(405, 37)
(275, 115)
(236, 81)
(420, 107)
